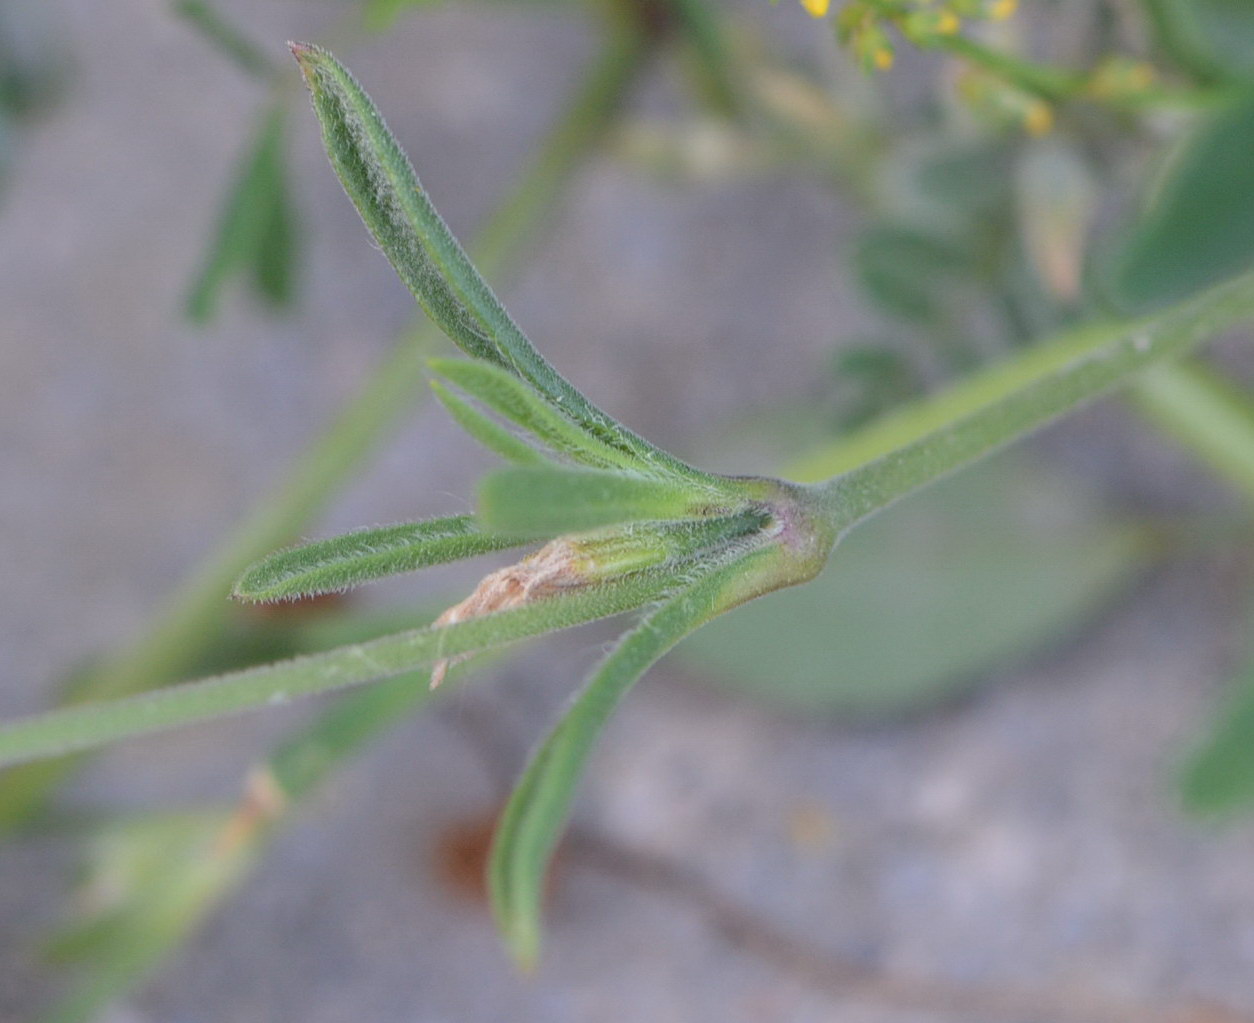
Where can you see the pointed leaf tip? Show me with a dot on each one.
(305, 54)
(381, 182)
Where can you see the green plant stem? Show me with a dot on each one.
(1043, 80)
(87, 726)
(194, 616)
(700, 31)
(1206, 413)
(1057, 85)
(227, 38)
(159, 914)
(892, 459)
(175, 899)
(903, 452)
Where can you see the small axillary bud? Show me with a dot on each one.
(567, 563)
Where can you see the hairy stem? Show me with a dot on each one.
(1204, 412)
(71, 729)
(903, 452)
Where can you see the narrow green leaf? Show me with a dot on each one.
(510, 397)
(340, 562)
(226, 37)
(548, 501)
(274, 260)
(908, 273)
(1200, 227)
(538, 808)
(1218, 778)
(379, 15)
(488, 432)
(247, 216)
(94, 724)
(381, 182)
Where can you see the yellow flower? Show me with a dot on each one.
(1000, 10)
(818, 8)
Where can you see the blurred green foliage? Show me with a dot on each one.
(909, 273)
(1199, 227)
(1217, 777)
(1213, 39)
(256, 232)
(32, 73)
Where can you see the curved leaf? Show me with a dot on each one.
(491, 434)
(1218, 777)
(381, 182)
(512, 398)
(1200, 228)
(538, 807)
(254, 227)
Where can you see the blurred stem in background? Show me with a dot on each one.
(227, 39)
(195, 616)
(126, 932)
(1204, 412)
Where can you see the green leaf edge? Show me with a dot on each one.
(491, 434)
(533, 818)
(550, 500)
(340, 562)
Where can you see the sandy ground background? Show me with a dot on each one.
(1016, 858)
